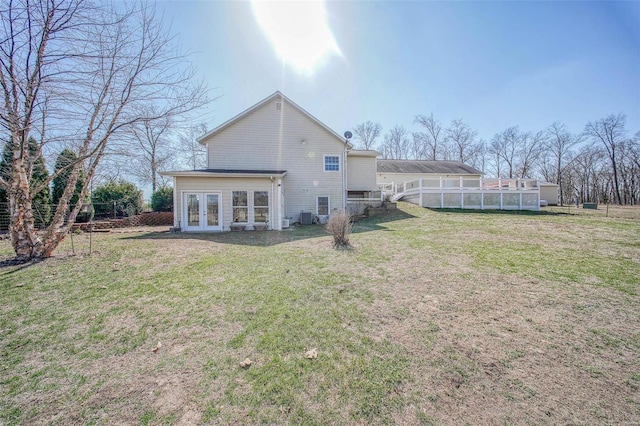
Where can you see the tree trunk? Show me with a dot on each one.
(154, 171)
(616, 185)
(24, 235)
(27, 243)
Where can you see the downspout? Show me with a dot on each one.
(176, 214)
(344, 178)
(279, 205)
(347, 136)
(271, 209)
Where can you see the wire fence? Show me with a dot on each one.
(43, 213)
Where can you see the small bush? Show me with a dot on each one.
(339, 226)
(162, 199)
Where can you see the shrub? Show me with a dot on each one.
(126, 196)
(65, 158)
(340, 226)
(162, 199)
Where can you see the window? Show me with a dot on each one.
(331, 163)
(240, 206)
(261, 206)
(323, 206)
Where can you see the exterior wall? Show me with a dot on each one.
(226, 186)
(361, 173)
(285, 139)
(549, 193)
(399, 178)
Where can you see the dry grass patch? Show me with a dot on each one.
(434, 317)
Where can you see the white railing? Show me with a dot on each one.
(472, 193)
(368, 196)
(364, 200)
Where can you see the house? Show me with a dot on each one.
(269, 166)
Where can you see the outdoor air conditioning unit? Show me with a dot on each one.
(285, 223)
(306, 218)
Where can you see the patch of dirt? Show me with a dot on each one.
(190, 417)
(499, 348)
(172, 394)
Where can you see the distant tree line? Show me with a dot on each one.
(600, 164)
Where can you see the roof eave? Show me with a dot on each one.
(195, 173)
(363, 153)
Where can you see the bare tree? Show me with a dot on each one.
(367, 134)
(478, 157)
(462, 140)
(503, 149)
(528, 151)
(396, 143)
(192, 152)
(635, 150)
(516, 152)
(152, 151)
(589, 175)
(610, 132)
(73, 71)
(432, 137)
(494, 160)
(559, 143)
(629, 171)
(416, 148)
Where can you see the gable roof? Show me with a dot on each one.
(424, 166)
(259, 105)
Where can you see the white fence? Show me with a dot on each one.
(470, 193)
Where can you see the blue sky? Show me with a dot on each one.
(493, 64)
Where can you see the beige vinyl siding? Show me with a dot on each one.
(399, 178)
(361, 173)
(549, 192)
(285, 139)
(225, 186)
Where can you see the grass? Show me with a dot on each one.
(433, 317)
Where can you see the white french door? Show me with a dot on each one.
(202, 211)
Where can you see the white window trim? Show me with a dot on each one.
(324, 163)
(318, 204)
(242, 207)
(251, 218)
(253, 206)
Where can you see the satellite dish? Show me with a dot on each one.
(347, 135)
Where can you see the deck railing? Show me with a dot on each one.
(470, 193)
(356, 205)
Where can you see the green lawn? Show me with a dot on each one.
(434, 317)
